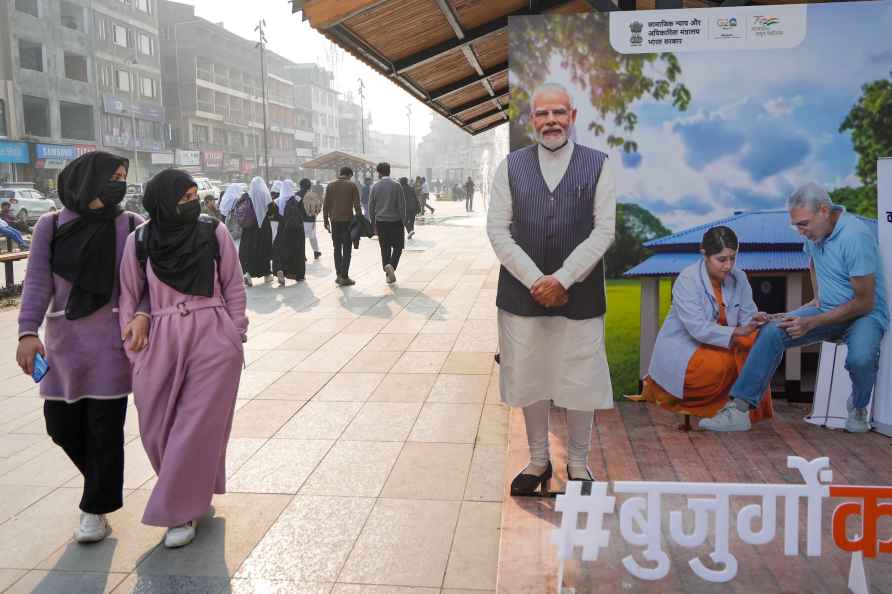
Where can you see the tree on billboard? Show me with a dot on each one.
(614, 81)
(635, 225)
(870, 122)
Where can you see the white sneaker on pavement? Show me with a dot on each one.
(857, 421)
(180, 536)
(730, 418)
(391, 274)
(93, 528)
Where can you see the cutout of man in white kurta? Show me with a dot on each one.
(544, 357)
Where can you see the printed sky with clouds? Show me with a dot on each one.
(760, 123)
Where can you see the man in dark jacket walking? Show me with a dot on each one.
(387, 211)
(341, 202)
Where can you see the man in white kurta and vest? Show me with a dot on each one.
(550, 221)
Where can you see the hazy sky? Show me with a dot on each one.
(289, 36)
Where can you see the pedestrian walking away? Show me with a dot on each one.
(289, 260)
(256, 247)
(341, 203)
(312, 205)
(387, 213)
(469, 195)
(185, 382)
(411, 199)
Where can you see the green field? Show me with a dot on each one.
(623, 324)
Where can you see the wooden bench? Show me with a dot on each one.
(9, 259)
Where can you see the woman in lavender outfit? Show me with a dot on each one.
(72, 271)
(185, 382)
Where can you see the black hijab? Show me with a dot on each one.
(181, 253)
(84, 250)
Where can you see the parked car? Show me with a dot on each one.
(27, 203)
(206, 188)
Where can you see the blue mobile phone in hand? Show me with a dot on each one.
(41, 367)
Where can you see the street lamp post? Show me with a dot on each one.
(409, 113)
(134, 78)
(262, 45)
(362, 113)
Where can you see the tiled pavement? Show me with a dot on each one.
(367, 454)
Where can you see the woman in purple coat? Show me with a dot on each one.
(185, 382)
(72, 271)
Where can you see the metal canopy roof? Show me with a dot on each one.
(337, 159)
(452, 55)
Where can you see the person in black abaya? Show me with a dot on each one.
(255, 249)
(289, 257)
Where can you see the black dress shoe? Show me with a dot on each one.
(497, 358)
(588, 471)
(527, 484)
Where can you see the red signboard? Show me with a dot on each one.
(212, 159)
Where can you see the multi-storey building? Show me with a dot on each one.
(76, 75)
(314, 88)
(214, 99)
(350, 126)
(128, 80)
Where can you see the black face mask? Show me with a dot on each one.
(113, 193)
(188, 212)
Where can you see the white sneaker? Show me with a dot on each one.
(180, 536)
(281, 276)
(93, 528)
(857, 421)
(391, 274)
(730, 418)
(268, 278)
(248, 281)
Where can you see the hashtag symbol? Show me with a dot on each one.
(593, 536)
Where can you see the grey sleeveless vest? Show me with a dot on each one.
(548, 226)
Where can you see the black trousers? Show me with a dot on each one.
(343, 247)
(391, 238)
(469, 201)
(91, 432)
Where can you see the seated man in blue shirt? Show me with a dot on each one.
(849, 306)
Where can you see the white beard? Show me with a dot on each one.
(552, 144)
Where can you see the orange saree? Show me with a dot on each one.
(709, 376)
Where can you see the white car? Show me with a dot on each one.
(206, 188)
(27, 203)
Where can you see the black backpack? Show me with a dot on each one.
(208, 225)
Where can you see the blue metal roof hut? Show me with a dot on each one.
(771, 255)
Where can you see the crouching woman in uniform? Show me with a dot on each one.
(186, 380)
(711, 327)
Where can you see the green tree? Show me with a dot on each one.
(861, 201)
(635, 225)
(614, 81)
(870, 122)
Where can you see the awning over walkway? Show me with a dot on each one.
(452, 55)
(334, 160)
